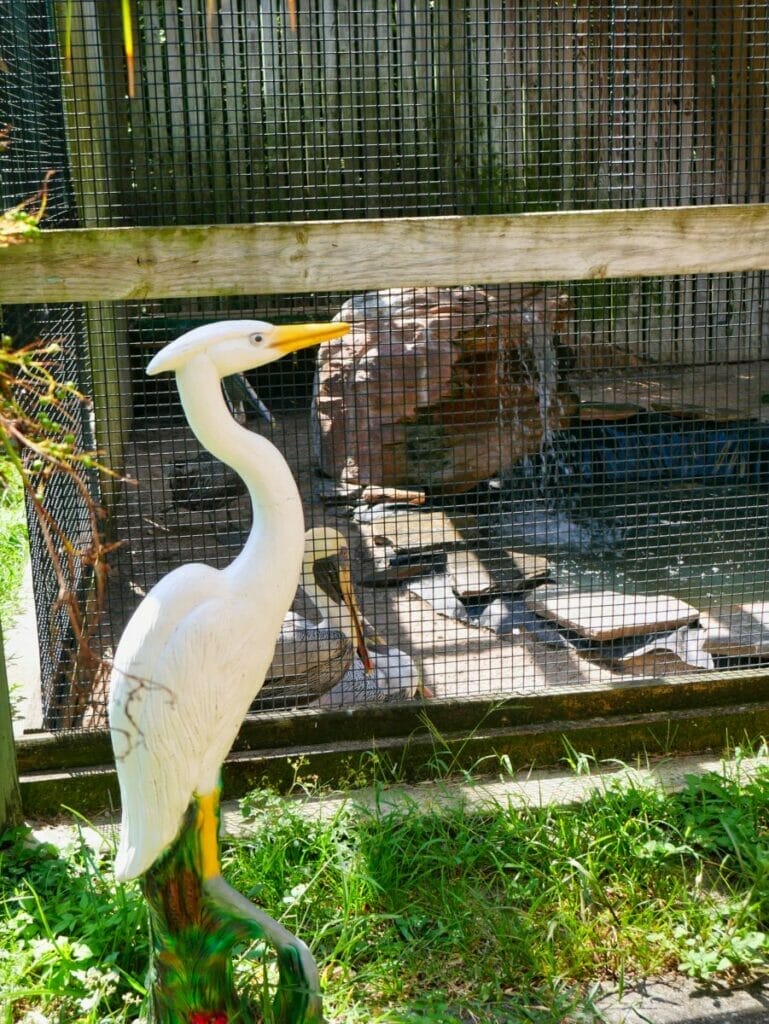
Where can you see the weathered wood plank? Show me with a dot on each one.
(245, 259)
(733, 390)
(738, 631)
(606, 614)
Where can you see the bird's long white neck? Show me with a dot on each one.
(277, 506)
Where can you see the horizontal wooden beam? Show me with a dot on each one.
(94, 264)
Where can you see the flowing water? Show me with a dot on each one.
(659, 506)
(705, 545)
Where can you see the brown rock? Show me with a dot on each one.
(439, 388)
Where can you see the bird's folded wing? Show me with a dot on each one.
(304, 651)
(307, 662)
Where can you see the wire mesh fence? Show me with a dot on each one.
(560, 485)
(389, 108)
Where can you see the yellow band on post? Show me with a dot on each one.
(208, 830)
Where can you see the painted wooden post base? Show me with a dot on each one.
(195, 924)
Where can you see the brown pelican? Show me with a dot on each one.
(338, 660)
(378, 672)
(311, 658)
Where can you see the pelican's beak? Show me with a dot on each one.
(293, 337)
(349, 598)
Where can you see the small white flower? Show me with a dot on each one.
(295, 894)
(90, 1002)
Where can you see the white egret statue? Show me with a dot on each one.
(190, 661)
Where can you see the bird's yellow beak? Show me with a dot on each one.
(293, 337)
(349, 598)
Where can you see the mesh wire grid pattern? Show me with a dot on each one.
(32, 116)
(389, 108)
(617, 433)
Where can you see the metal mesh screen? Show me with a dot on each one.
(388, 108)
(32, 116)
(539, 486)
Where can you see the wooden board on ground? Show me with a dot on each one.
(409, 530)
(532, 568)
(478, 572)
(606, 614)
(738, 631)
(374, 495)
(462, 660)
(655, 664)
(404, 543)
(469, 576)
(680, 651)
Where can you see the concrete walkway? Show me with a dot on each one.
(541, 788)
(682, 1002)
(553, 787)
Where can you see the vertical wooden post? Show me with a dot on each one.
(10, 794)
(91, 108)
(452, 103)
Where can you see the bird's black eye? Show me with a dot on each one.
(256, 339)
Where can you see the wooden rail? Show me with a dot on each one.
(96, 264)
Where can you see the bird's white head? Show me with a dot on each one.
(234, 346)
(327, 579)
(323, 542)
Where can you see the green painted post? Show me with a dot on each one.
(10, 795)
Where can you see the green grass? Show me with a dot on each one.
(13, 541)
(452, 916)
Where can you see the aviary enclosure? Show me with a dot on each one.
(552, 477)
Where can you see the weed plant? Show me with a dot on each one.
(452, 915)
